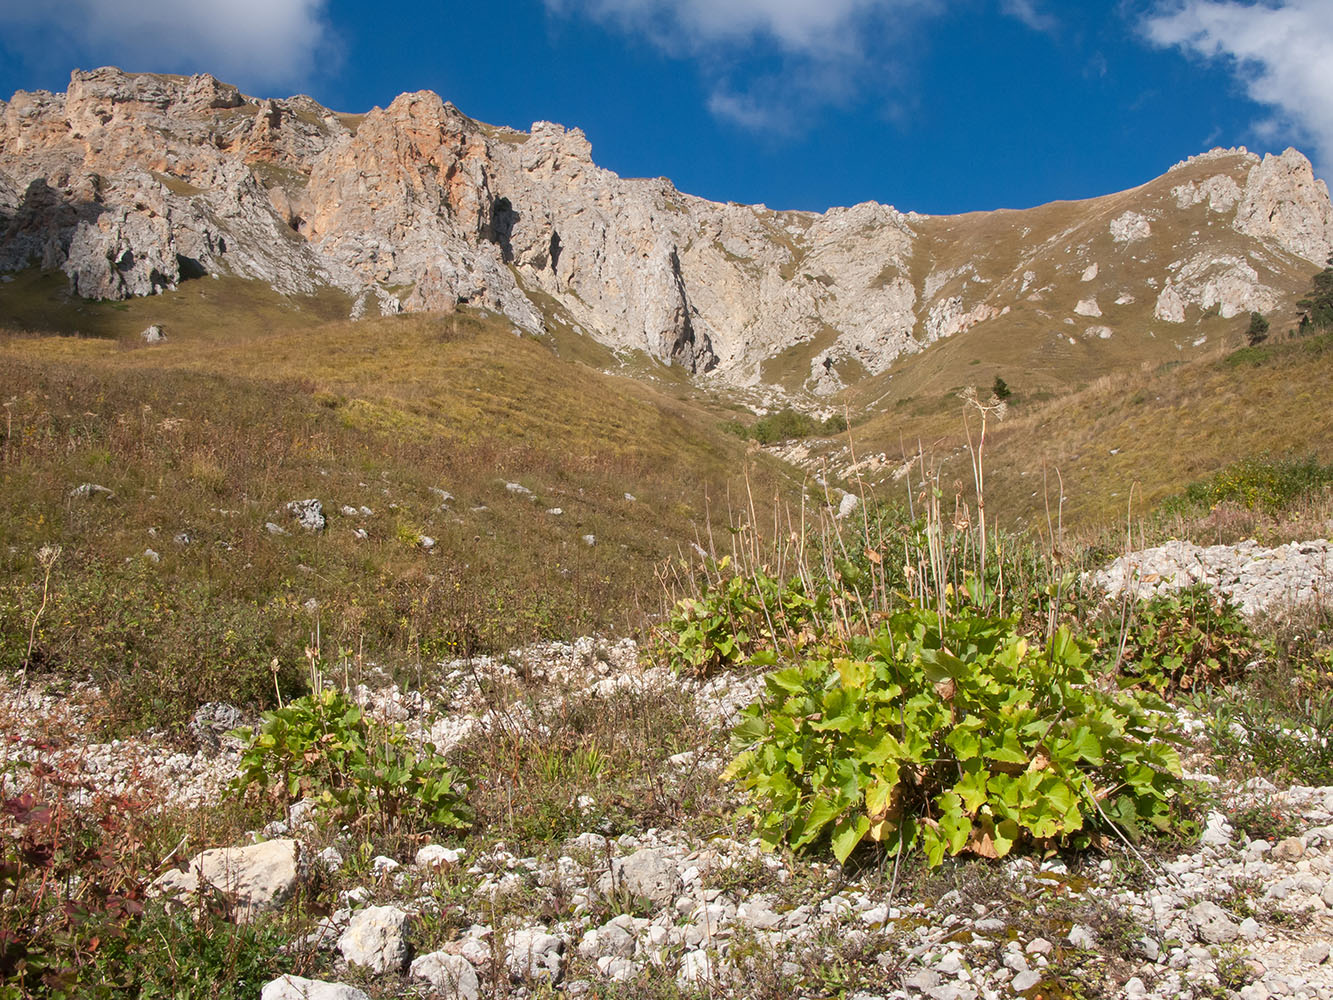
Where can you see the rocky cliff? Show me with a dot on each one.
(132, 183)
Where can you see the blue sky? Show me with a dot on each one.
(933, 105)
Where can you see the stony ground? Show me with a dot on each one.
(1254, 577)
(676, 912)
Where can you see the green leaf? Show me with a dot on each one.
(933, 843)
(887, 749)
(971, 788)
(847, 834)
(1006, 832)
(955, 826)
(791, 680)
(821, 812)
(941, 665)
(750, 730)
(963, 738)
(1009, 753)
(880, 792)
(854, 673)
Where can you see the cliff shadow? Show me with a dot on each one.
(36, 294)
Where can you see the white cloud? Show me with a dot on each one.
(254, 43)
(830, 51)
(770, 65)
(1030, 14)
(1282, 52)
(798, 26)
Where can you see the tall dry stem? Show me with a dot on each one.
(993, 407)
(46, 558)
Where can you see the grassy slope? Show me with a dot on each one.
(1154, 429)
(1159, 430)
(1030, 346)
(258, 399)
(264, 400)
(1155, 393)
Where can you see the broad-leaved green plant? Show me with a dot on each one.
(959, 736)
(322, 746)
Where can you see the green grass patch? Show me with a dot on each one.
(1270, 485)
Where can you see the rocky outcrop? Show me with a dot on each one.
(1170, 306)
(1130, 227)
(1223, 282)
(1285, 204)
(376, 939)
(948, 317)
(132, 184)
(309, 514)
(1257, 579)
(1220, 191)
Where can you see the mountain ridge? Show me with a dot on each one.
(131, 183)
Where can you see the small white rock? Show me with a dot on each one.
(435, 856)
(299, 988)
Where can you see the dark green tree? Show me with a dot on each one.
(1317, 307)
(1000, 390)
(1258, 331)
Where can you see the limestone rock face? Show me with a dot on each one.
(1224, 282)
(1170, 306)
(949, 317)
(1284, 203)
(132, 184)
(1219, 191)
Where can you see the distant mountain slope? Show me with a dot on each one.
(133, 183)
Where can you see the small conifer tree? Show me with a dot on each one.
(1258, 331)
(1317, 307)
(1000, 390)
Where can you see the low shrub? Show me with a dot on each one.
(954, 735)
(49, 936)
(1257, 332)
(1264, 822)
(1281, 745)
(786, 425)
(75, 921)
(1182, 640)
(1262, 484)
(735, 616)
(323, 747)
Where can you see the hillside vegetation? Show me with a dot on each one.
(1151, 429)
(505, 494)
